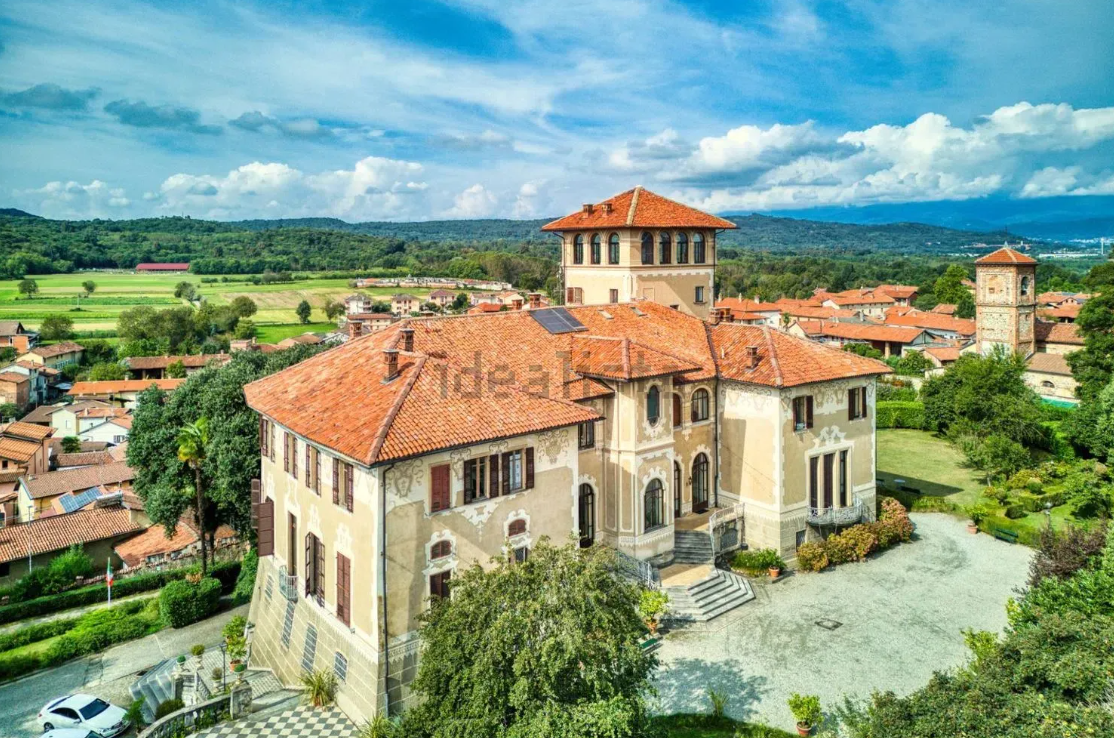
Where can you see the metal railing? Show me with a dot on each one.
(836, 516)
(288, 584)
(642, 572)
(191, 719)
(720, 520)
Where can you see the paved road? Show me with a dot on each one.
(897, 618)
(107, 675)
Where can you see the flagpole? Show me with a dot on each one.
(108, 578)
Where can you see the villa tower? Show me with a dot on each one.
(1006, 302)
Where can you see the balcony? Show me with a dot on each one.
(829, 517)
(288, 584)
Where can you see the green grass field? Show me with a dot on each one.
(118, 291)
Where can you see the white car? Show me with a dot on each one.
(70, 733)
(85, 712)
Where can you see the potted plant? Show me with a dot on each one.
(651, 606)
(237, 650)
(977, 513)
(198, 651)
(774, 564)
(181, 658)
(806, 711)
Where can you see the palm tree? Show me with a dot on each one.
(192, 440)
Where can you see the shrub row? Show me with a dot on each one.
(182, 603)
(1035, 503)
(858, 541)
(900, 414)
(226, 572)
(92, 632)
(35, 633)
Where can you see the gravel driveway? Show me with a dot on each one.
(891, 621)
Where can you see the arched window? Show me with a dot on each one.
(613, 248)
(578, 249)
(682, 248)
(698, 255)
(440, 550)
(596, 256)
(1047, 384)
(700, 483)
(653, 405)
(655, 515)
(1025, 284)
(666, 243)
(647, 248)
(587, 510)
(517, 527)
(678, 419)
(699, 405)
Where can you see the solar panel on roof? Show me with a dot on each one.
(557, 320)
(73, 502)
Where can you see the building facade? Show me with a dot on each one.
(1006, 302)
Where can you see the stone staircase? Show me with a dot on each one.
(719, 592)
(156, 686)
(692, 547)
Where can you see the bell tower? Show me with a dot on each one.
(1006, 302)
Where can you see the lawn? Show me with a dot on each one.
(706, 726)
(117, 291)
(276, 333)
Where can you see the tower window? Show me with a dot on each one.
(698, 255)
(578, 249)
(1026, 285)
(595, 248)
(666, 243)
(613, 248)
(682, 248)
(699, 295)
(647, 248)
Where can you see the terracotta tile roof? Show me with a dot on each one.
(56, 483)
(57, 349)
(114, 387)
(622, 358)
(1068, 311)
(945, 308)
(638, 208)
(746, 305)
(1049, 364)
(155, 542)
(162, 362)
(943, 354)
(85, 458)
(57, 532)
(307, 339)
(98, 412)
(47, 370)
(486, 307)
(933, 321)
(859, 297)
(897, 291)
(1006, 255)
(860, 331)
(1058, 333)
(783, 360)
(793, 302)
(27, 431)
(41, 414)
(14, 377)
(820, 313)
(119, 453)
(11, 328)
(20, 451)
(124, 421)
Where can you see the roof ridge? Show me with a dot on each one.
(626, 356)
(633, 204)
(773, 356)
(396, 406)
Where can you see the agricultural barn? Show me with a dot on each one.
(180, 266)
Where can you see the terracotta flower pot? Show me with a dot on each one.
(972, 528)
(804, 729)
(774, 572)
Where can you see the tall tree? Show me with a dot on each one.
(89, 286)
(303, 311)
(28, 288)
(949, 287)
(56, 327)
(193, 438)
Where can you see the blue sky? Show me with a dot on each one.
(501, 108)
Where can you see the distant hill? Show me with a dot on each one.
(14, 213)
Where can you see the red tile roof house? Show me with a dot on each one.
(890, 340)
(398, 458)
(154, 549)
(13, 334)
(154, 367)
(176, 266)
(37, 492)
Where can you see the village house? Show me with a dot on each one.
(866, 301)
(357, 303)
(400, 457)
(38, 492)
(154, 550)
(359, 324)
(91, 421)
(15, 388)
(890, 340)
(56, 355)
(25, 448)
(938, 327)
(902, 294)
(442, 298)
(403, 304)
(41, 379)
(14, 335)
(121, 392)
(155, 367)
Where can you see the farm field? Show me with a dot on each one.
(119, 291)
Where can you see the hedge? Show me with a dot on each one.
(1035, 503)
(35, 633)
(858, 541)
(900, 414)
(183, 603)
(225, 571)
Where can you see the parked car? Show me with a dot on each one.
(84, 711)
(71, 733)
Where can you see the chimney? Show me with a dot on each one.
(535, 299)
(390, 358)
(407, 334)
(719, 314)
(752, 357)
(588, 207)
(607, 208)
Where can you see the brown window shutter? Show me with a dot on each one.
(336, 481)
(265, 533)
(309, 466)
(505, 465)
(852, 395)
(348, 491)
(493, 475)
(808, 411)
(439, 488)
(862, 402)
(530, 467)
(286, 452)
(271, 440)
(320, 567)
(343, 589)
(310, 559)
(294, 456)
(262, 436)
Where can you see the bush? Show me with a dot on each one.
(35, 633)
(1015, 512)
(182, 603)
(805, 709)
(757, 562)
(1036, 503)
(900, 414)
(168, 706)
(226, 572)
(245, 582)
(1062, 553)
(859, 539)
(892, 393)
(812, 557)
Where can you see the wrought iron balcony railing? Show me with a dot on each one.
(288, 584)
(836, 516)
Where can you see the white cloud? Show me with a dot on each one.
(474, 202)
(526, 202)
(74, 200)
